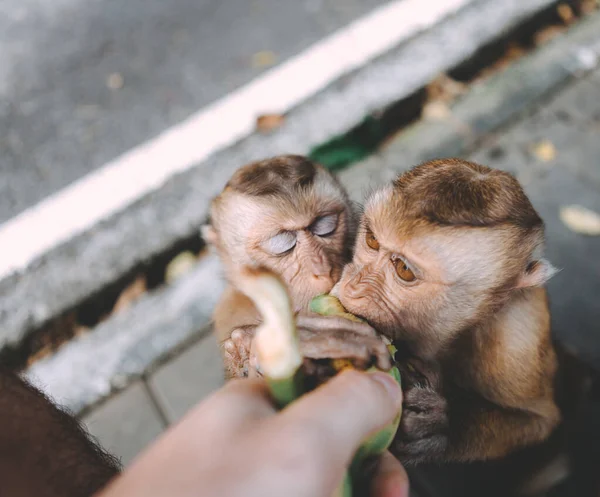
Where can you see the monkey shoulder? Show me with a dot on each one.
(234, 310)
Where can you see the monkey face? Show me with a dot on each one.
(420, 283)
(301, 232)
(309, 257)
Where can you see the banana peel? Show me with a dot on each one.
(276, 339)
(377, 444)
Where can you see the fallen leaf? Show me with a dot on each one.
(45, 351)
(544, 151)
(264, 58)
(589, 6)
(180, 265)
(436, 111)
(115, 81)
(80, 330)
(566, 13)
(133, 292)
(445, 88)
(581, 220)
(547, 34)
(269, 122)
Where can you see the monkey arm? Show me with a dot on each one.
(43, 450)
(481, 429)
(233, 311)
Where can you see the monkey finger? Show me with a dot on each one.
(424, 400)
(234, 365)
(390, 478)
(347, 346)
(242, 338)
(414, 426)
(419, 451)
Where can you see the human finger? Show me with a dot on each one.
(390, 479)
(339, 415)
(237, 403)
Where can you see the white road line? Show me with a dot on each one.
(119, 183)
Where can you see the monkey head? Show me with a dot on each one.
(289, 215)
(441, 249)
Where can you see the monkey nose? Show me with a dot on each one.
(323, 281)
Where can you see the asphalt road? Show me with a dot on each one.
(82, 82)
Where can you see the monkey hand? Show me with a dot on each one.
(339, 338)
(237, 352)
(422, 435)
(319, 338)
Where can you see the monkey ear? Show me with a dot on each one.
(537, 274)
(208, 234)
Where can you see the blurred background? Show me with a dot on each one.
(119, 121)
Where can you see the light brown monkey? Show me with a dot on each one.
(449, 264)
(292, 216)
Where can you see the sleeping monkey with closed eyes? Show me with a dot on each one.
(292, 216)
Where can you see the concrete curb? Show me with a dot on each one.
(85, 370)
(75, 271)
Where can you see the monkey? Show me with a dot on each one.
(44, 451)
(449, 265)
(293, 217)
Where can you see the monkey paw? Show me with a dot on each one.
(337, 338)
(237, 353)
(422, 435)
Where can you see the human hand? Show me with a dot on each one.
(236, 444)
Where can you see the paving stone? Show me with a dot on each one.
(126, 423)
(189, 378)
(570, 122)
(574, 290)
(119, 350)
(493, 103)
(359, 180)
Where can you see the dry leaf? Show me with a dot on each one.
(45, 351)
(80, 330)
(445, 88)
(269, 122)
(547, 34)
(115, 81)
(589, 6)
(566, 13)
(581, 220)
(544, 151)
(179, 266)
(264, 58)
(436, 111)
(133, 292)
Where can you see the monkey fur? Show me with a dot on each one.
(448, 263)
(292, 216)
(44, 451)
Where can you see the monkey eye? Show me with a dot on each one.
(324, 225)
(404, 272)
(280, 243)
(371, 240)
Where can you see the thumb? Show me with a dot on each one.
(346, 410)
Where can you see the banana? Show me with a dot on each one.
(328, 305)
(280, 359)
